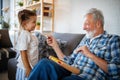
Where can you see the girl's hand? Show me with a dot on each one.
(28, 72)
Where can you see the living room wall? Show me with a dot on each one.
(69, 14)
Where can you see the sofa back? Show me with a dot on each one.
(5, 41)
(72, 40)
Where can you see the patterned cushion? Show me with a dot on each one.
(44, 49)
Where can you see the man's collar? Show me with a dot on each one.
(98, 36)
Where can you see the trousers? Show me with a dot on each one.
(46, 69)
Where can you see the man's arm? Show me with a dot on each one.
(53, 43)
(100, 62)
(64, 65)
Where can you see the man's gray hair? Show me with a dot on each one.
(97, 14)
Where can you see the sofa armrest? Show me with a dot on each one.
(12, 66)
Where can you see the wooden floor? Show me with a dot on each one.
(4, 75)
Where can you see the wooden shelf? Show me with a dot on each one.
(34, 5)
(47, 3)
(45, 12)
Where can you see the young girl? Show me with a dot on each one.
(27, 44)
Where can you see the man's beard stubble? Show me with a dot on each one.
(90, 34)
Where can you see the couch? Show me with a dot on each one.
(71, 39)
(6, 51)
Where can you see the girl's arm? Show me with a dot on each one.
(26, 62)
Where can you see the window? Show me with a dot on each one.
(1, 4)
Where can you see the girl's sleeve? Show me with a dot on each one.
(23, 42)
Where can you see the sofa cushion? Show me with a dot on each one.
(72, 41)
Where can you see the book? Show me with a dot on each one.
(65, 65)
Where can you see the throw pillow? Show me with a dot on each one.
(44, 49)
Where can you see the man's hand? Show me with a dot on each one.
(84, 50)
(51, 41)
(100, 62)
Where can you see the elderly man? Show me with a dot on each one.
(97, 56)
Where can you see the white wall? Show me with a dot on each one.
(62, 15)
(12, 11)
(69, 14)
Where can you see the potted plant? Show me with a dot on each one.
(37, 26)
(20, 4)
(5, 25)
(5, 19)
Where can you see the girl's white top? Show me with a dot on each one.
(27, 41)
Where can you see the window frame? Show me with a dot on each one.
(1, 13)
